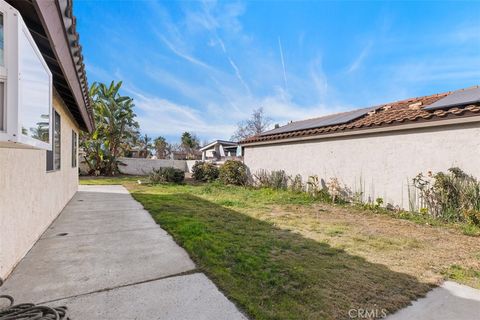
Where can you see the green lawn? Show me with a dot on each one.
(101, 180)
(271, 272)
(281, 255)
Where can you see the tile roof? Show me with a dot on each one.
(389, 114)
(70, 22)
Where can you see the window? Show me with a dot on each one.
(2, 105)
(2, 63)
(74, 149)
(2, 77)
(34, 111)
(54, 155)
(25, 86)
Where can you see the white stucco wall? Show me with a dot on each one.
(30, 197)
(190, 164)
(385, 162)
(139, 166)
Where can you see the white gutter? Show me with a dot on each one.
(438, 123)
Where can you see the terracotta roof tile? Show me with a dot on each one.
(389, 114)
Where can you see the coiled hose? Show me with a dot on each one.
(30, 311)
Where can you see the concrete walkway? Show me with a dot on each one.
(450, 301)
(105, 258)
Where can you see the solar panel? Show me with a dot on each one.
(457, 99)
(330, 120)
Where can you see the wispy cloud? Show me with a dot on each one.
(202, 70)
(239, 76)
(164, 117)
(357, 63)
(184, 55)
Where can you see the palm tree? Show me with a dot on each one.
(190, 143)
(146, 145)
(115, 128)
(162, 148)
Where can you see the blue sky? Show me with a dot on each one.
(204, 66)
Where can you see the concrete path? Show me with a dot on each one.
(105, 258)
(450, 301)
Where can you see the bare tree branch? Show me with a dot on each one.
(257, 124)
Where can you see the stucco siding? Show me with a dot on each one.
(379, 165)
(30, 197)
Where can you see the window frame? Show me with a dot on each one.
(3, 69)
(11, 135)
(52, 152)
(74, 149)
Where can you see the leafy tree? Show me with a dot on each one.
(257, 124)
(162, 147)
(41, 132)
(189, 144)
(115, 128)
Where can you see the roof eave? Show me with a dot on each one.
(52, 19)
(370, 130)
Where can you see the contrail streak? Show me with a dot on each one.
(283, 64)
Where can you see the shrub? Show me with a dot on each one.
(262, 178)
(234, 172)
(204, 171)
(275, 179)
(451, 196)
(296, 184)
(279, 179)
(168, 174)
(316, 190)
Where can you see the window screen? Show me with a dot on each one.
(2, 106)
(57, 142)
(74, 149)
(54, 156)
(2, 60)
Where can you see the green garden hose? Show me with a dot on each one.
(30, 311)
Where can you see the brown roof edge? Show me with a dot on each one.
(59, 24)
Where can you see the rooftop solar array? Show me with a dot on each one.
(331, 120)
(457, 99)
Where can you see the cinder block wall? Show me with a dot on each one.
(138, 166)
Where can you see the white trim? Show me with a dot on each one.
(401, 127)
(208, 146)
(14, 28)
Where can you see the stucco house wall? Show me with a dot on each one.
(31, 197)
(380, 164)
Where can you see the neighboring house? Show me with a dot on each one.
(44, 104)
(219, 150)
(137, 152)
(183, 155)
(377, 151)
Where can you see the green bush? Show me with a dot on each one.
(168, 174)
(296, 184)
(451, 196)
(317, 190)
(234, 172)
(204, 171)
(275, 179)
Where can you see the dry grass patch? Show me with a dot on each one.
(423, 251)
